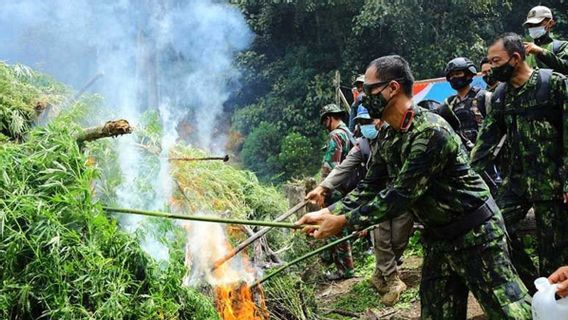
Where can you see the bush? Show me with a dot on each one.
(261, 149)
(62, 257)
(296, 157)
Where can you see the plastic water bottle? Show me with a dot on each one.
(544, 303)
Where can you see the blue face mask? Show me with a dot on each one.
(369, 131)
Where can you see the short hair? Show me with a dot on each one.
(485, 60)
(512, 43)
(394, 67)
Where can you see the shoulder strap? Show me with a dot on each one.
(498, 96)
(543, 85)
(556, 46)
(365, 148)
(487, 96)
(445, 111)
(349, 135)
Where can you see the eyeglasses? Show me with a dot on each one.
(369, 87)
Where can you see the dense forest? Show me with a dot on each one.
(289, 70)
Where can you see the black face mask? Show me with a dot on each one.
(503, 72)
(458, 83)
(375, 104)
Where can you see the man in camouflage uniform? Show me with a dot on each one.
(391, 236)
(427, 173)
(531, 108)
(461, 110)
(545, 52)
(338, 145)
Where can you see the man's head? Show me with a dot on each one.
(387, 79)
(485, 66)
(358, 83)
(460, 72)
(330, 116)
(369, 127)
(506, 55)
(539, 21)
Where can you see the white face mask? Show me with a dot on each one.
(537, 32)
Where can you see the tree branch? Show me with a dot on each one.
(109, 129)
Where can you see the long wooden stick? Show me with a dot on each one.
(257, 235)
(224, 159)
(168, 215)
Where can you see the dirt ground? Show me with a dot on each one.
(330, 295)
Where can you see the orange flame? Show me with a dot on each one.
(235, 302)
(234, 299)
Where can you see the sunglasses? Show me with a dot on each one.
(369, 87)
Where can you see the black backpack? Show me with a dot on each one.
(541, 110)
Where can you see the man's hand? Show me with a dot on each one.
(329, 224)
(566, 198)
(317, 196)
(531, 48)
(560, 277)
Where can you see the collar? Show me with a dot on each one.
(544, 40)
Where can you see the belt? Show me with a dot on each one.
(464, 223)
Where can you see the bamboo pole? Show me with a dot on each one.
(256, 236)
(168, 215)
(224, 159)
(309, 255)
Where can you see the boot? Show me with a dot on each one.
(395, 288)
(379, 282)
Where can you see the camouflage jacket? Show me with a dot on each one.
(426, 172)
(336, 149)
(557, 61)
(535, 146)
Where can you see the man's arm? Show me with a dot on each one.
(430, 151)
(489, 136)
(559, 61)
(342, 172)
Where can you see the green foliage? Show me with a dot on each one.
(361, 297)
(21, 89)
(219, 187)
(260, 151)
(62, 257)
(414, 246)
(296, 156)
(288, 298)
(299, 44)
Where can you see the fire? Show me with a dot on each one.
(234, 299)
(235, 302)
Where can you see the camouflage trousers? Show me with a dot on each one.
(485, 270)
(551, 235)
(342, 257)
(390, 240)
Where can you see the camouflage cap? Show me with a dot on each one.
(331, 108)
(537, 14)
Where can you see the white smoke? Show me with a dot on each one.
(206, 244)
(172, 56)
